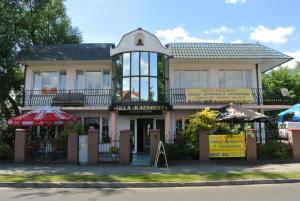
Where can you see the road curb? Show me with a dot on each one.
(142, 184)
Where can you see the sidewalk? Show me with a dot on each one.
(219, 167)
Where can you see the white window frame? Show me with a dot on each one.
(244, 77)
(199, 71)
(42, 71)
(101, 77)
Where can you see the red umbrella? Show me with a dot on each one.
(44, 116)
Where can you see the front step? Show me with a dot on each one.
(141, 160)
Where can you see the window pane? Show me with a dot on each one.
(177, 79)
(135, 91)
(126, 64)
(153, 64)
(161, 89)
(190, 79)
(144, 89)
(204, 79)
(50, 80)
(161, 65)
(79, 79)
(92, 80)
(117, 66)
(135, 63)
(118, 89)
(144, 63)
(106, 79)
(105, 131)
(126, 92)
(234, 79)
(37, 81)
(222, 83)
(62, 80)
(93, 122)
(248, 80)
(153, 89)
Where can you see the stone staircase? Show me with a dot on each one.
(141, 159)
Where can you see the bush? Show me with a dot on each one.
(274, 150)
(205, 120)
(6, 152)
(114, 149)
(180, 151)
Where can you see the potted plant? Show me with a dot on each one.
(114, 150)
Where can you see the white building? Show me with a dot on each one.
(140, 84)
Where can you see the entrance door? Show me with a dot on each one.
(143, 137)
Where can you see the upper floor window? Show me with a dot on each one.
(140, 76)
(92, 79)
(235, 79)
(191, 79)
(49, 80)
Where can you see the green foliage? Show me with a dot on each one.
(6, 152)
(283, 77)
(70, 127)
(114, 149)
(205, 120)
(180, 151)
(3, 124)
(274, 150)
(24, 23)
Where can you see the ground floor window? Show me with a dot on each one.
(99, 123)
(181, 123)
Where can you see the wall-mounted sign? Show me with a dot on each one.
(227, 146)
(238, 95)
(140, 109)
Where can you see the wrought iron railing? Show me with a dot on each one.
(74, 97)
(178, 97)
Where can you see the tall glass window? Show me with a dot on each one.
(62, 80)
(144, 89)
(144, 63)
(126, 64)
(140, 76)
(135, 63)
(106, 79)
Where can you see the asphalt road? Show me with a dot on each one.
(277, 192)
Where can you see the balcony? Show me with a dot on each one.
(214, 96)
(68, 98)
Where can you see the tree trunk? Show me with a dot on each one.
(14, 105)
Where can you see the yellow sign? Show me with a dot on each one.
(238, 95)
(227, 146)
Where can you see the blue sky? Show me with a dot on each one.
(274, 23)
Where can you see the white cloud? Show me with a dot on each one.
(266, 35)
(178, 34)
(295, 55)
(235, 1)
(237, 41)
(220, 30)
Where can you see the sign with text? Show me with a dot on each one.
(234, 95)
(227, 146)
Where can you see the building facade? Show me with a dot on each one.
(140, 84)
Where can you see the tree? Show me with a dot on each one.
(283, 77)
(205, 120)
(24, 23)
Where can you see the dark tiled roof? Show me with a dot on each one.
(89, 51)
(224, 51)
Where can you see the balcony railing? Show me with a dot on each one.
(68, 98)
(178, 97)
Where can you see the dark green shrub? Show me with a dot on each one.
(180, 151)
(274, 150)
(6, 152)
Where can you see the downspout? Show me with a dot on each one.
(24, 82)
(258, 99)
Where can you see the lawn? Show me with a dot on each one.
(190, 177)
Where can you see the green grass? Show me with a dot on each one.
(191, 177)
